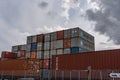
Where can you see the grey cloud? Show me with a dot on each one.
(43, 4)
(107, 19)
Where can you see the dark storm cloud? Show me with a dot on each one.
(43, 4)
(107, 19)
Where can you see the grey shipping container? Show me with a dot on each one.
(59, 51)
(14, 48)
(34, 38)
(53, 36)
(86, 36)
(53, 44)
(24, 47)
(75, 42)
(28, 47)
(67, 33)
(67, 51)
(47, 37)
(29, 39)
(46, 54)
(59, 44)
(40, 46)
(75, 32)
(46, 45)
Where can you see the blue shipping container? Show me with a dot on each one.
(46, 73)
(74, 50)
(33, 46)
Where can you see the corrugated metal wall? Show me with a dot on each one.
(108, 59)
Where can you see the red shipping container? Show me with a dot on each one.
(40, 38)
(98, 60)
(23, 53)
(60, 35)
(67, 43)
(6, 54)
(46, 63)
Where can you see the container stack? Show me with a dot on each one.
(20, 50)
(43, 46)
(35, 46)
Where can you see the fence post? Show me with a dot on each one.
(12, 75)
(70, 75)
(55, 74)
(89, 72)
(25, 74)
(1, 75)
(79, 74)
(62, 75)
(113, 72)
(49, 75)
(101, 75)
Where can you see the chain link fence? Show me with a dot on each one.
(60, 75)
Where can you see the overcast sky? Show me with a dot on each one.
(21, 18)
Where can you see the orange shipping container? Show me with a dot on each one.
(18, 64)
(33, 54)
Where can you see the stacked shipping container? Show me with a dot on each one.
(20, 50)
(43, 46)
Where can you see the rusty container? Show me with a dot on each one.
(98, 60)
(60, 35)
(67, 43)
(33, 54)
(40, 38)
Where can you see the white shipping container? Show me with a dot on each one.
(40, 55)
(46, 45)
(75, 32)
(75, 42)
(28, 47)
(40, 46)
(59, 51)
(28, 54)
(34, 39)
(46, 54)
(52, 52)
(67, 51)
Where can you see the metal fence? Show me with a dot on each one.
(60, 75)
